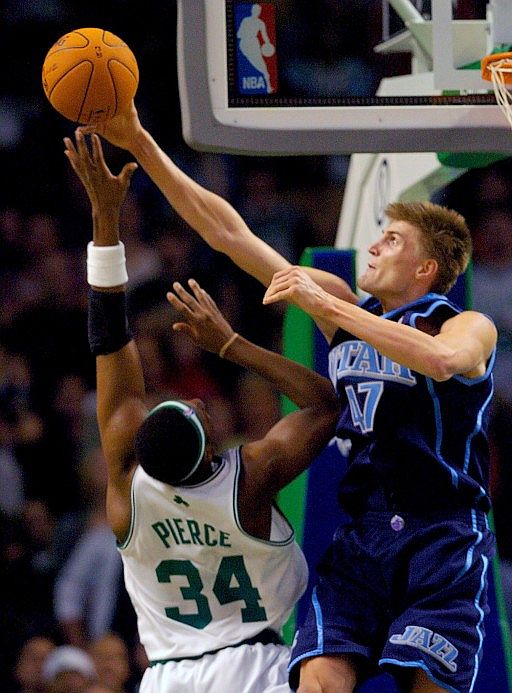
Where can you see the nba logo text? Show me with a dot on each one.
(256, 55)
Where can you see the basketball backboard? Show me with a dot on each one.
(247, 85)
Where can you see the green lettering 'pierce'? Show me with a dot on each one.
(187, 411)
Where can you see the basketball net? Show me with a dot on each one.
(499, 72)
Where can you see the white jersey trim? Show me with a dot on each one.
(271, 542)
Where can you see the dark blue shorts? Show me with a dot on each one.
(412, 596)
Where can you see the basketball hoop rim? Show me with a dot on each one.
(488, 60)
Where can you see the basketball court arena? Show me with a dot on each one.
(419, 131)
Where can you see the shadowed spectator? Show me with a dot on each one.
(110, 655)
(29, 666)
(68, 669)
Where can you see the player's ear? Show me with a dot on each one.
(427, 269)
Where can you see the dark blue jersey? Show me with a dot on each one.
(412, 443)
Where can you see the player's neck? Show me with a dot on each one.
(391, 302)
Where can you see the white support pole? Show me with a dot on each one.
(406, 11)
(499, 13)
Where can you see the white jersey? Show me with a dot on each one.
(197, 580)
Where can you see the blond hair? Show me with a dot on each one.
(445, 238)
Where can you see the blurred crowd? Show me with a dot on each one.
(63, 608)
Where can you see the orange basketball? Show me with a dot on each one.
(90, 75)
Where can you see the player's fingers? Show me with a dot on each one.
(69, 145)
(288, 274)
(177, 304)
(194, 285)
(72, 156)
(274, 287)
(97, 151)
(98, 160)
(183, 327)
(180, 305)
(198, 291)
(75, 168)
(73, 162)
(202, 295)
(88, 129)
(128, 171)
(84, 160)
(273, 296)
(81, 146)
(185, 296)
(283, 273)
(71, 152)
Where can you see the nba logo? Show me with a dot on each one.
(256, 48)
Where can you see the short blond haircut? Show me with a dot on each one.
(445, 236)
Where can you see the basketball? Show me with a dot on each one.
(90, 75)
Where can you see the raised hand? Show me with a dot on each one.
(296, 286)
(121, 131)
(202, 321)
(106, 191)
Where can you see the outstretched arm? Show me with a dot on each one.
(200, 313)
(120, 386)
(463, 345)
(292, 444)
(212, 217)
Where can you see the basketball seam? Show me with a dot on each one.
(113, 85)
(86, 91)
(116, 60)
(84, 36)
(70, 48)
(113, 45)
(86, 60)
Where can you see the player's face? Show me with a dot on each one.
(391, 273)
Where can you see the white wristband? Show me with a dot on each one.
(106, 265)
